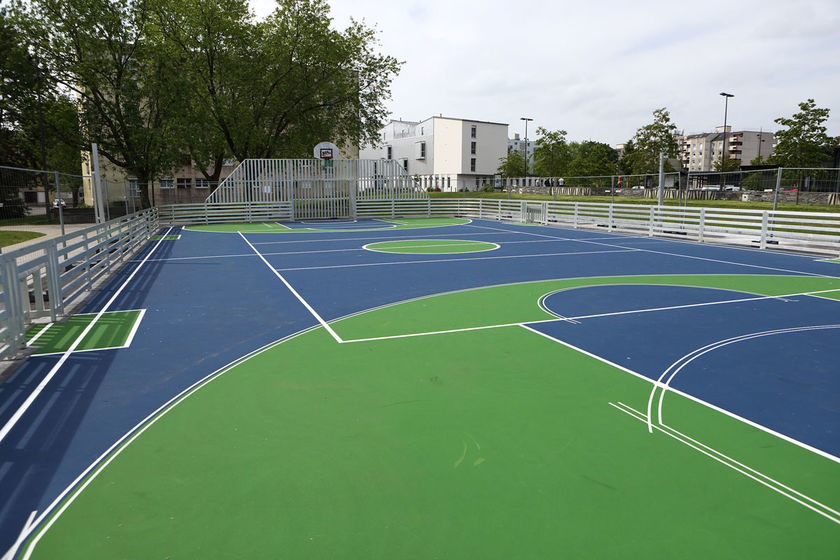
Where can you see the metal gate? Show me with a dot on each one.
(321, 199)
(317, 189)
(535, 213)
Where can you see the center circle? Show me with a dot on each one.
(431, 246)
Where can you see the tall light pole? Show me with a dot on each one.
(526, 119)
(723, 155)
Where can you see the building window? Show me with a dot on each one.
(167, 184)
(133, 186)
(472, 148)
(183, 182)
(421, 131)
(202, 184)
(472, 164)
(405, 164)
(472, 131)
(390, 152)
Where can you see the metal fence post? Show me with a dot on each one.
(650, 223)
(11, 291)
(576, 216)
(702, 225)
(53, 283)
(765, 218)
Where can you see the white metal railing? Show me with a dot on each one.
(812, 232)
(48, 278)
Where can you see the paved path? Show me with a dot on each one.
(49, 231)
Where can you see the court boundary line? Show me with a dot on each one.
(811, 257)
(74, 489)
(683, 361)
(294, 292)
(32, 340)
(66, 355)
(691, 397)
(718, 456)
(708, 259)
(577, 318)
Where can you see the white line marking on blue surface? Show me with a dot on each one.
(47, 378)
(295, 293)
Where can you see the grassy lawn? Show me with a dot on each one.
(645, 201)
(8, 238)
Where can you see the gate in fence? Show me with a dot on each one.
(317, 188)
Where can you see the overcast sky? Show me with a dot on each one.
(597, 68)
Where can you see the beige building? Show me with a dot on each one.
(700, 152)
(443, 152)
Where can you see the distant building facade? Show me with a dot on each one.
(442, 152)
(515, 144)
(701, 152)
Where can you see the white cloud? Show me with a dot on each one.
(598, 69)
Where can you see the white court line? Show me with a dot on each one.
(97, 466)
(32, 340)
(295, 293)
(456, 260)
(719, 458)
(47, 378)
(126, 344)
(681, 363)
(708, 259)
(690, 397)
(576, 319)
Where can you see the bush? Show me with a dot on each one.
(13, 205)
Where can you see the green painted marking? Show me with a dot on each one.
(165, 237)
(833, 261)
(431, 246)
(35, 329)
(415, 447)
(518, 303)
(404, 223)
(110, 331)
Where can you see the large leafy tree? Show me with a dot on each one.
(651, 140)
(803, 142)
(128, 91)
(593, 159)
(276, 88)
(553, 154)
(38, 123)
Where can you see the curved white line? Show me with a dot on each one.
(460, 242)
(97, 466)
(681, 363)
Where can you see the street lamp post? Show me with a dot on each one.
(723, 154)
(526, 119)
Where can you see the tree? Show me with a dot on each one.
(513, 165)
(552, 156)
(651, 140)
(593, 159)
(277, 87)
(129, 93)
(803, 141)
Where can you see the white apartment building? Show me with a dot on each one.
(527, 146)
(700, 152)
(447, 153)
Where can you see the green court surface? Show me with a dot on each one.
(165, 237)
(431, 246)
(276, 227)
(493, 443)
(114, 329)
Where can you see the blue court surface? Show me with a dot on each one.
(763, 350)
